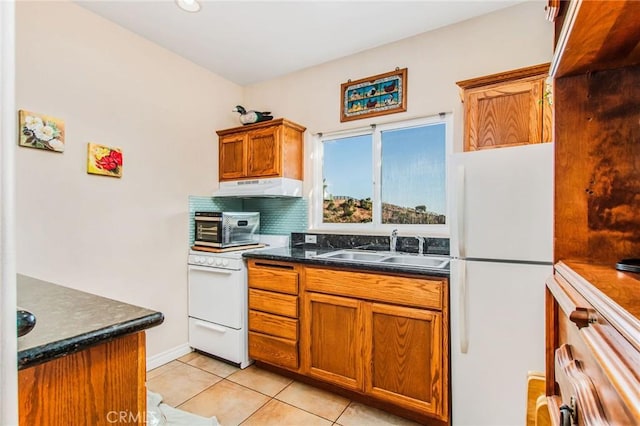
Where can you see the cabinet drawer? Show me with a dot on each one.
(278, 277)
(216, 340)
(274, 350)
(419, 292)
(274, 303)
(273, 325)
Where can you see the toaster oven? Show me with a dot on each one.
(226, 229)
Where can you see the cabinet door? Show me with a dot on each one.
(264, 152)
(504, 115)
(333, 349)
(233, 151)
(403, 355)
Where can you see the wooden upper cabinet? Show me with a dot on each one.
(506, 109)
(262, 150)
(232, 151)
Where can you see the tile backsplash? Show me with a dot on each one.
(288, 216)
(278, 216)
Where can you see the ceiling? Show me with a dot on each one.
(252, 41)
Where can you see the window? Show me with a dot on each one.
(388, 176)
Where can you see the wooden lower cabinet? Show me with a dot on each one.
(392, 353)
(273, 313)
(100, 385)
(334, 328)
(378, 337)
(402, 348)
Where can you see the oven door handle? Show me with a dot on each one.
(213, 270)
(211, 327)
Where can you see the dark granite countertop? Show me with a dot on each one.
(301, 255)
(69, 320)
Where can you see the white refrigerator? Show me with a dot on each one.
(501, 248)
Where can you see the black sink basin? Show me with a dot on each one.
(25, 321)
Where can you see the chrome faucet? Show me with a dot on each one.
(393, 240)
(420, 244)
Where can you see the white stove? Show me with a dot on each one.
(218, 301)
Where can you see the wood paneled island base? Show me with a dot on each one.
(100, 385)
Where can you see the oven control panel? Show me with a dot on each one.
(215, 261)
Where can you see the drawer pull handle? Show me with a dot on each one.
(582, 317)
(212, 327)
(566, 415)
(274, 265)
(583, 391)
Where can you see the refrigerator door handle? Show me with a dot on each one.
(460, 193)
(463, 310)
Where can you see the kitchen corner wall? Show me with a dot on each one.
(121, 238)
(278, 216)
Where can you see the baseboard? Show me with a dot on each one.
(167, 356)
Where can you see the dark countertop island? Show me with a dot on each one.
(300, 255)
(68, 320)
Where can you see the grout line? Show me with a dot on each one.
(256, 410)
(207, 371)
(343, 411)
(306, 411)
(255, 390)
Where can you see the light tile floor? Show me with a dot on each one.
(254, 397)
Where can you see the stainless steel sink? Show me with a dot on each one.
(366, 256)
(427, 261)
(355, 255)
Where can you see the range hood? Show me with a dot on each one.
(268, 187)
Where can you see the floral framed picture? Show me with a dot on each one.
(104, 160)
(372, 96)
(40, 131)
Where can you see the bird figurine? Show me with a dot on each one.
(250, 117)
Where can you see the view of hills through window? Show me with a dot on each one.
(412, 173)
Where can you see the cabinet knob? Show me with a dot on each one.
(582, 317)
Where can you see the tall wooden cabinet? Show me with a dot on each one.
(507, 109)
(593, 310)
(262, 150)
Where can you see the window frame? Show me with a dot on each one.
(317, 194)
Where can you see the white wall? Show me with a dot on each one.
(511, 38)
(8, 350)
(121, 238)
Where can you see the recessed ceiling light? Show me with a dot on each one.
(189, 5)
